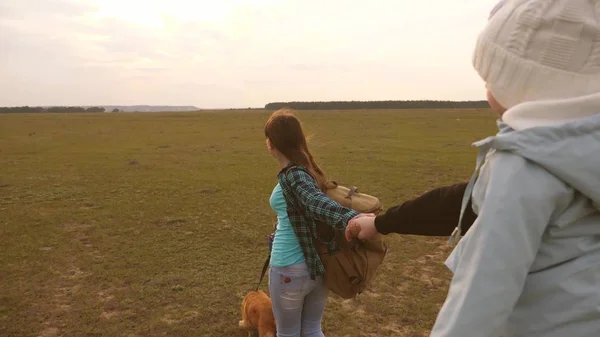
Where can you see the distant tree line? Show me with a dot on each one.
(354, 105)
(54, 109)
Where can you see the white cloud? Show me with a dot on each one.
(236, 53)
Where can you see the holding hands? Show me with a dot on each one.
(362, 227)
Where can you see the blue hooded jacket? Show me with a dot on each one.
(530, 264)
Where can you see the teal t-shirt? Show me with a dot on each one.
(286, 249)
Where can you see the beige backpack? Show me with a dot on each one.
(350, 198)
(349, 271)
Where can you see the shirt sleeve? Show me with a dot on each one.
(492, 262)
(320, 206)
(434, 213)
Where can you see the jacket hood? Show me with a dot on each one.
(563, 137)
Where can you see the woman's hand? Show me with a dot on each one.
(362, 227)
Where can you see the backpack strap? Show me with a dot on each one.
(352, 191)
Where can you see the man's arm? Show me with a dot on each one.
(434, 213)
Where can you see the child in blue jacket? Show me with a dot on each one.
(529, 266)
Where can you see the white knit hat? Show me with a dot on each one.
(540, 50)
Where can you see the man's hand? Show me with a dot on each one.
(361, 227)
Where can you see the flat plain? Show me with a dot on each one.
(155, 224)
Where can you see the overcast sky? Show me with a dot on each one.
(237, 53)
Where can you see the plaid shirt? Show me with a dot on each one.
(306, 204)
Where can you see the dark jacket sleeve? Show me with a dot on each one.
(434, 213)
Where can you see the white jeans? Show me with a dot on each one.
(298, 301)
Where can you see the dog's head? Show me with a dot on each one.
(253, 299)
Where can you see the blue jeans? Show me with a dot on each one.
(298, 301)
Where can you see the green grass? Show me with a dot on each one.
(156, 224)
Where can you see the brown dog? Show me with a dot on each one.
(257, 314)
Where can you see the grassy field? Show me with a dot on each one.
(156, 224)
